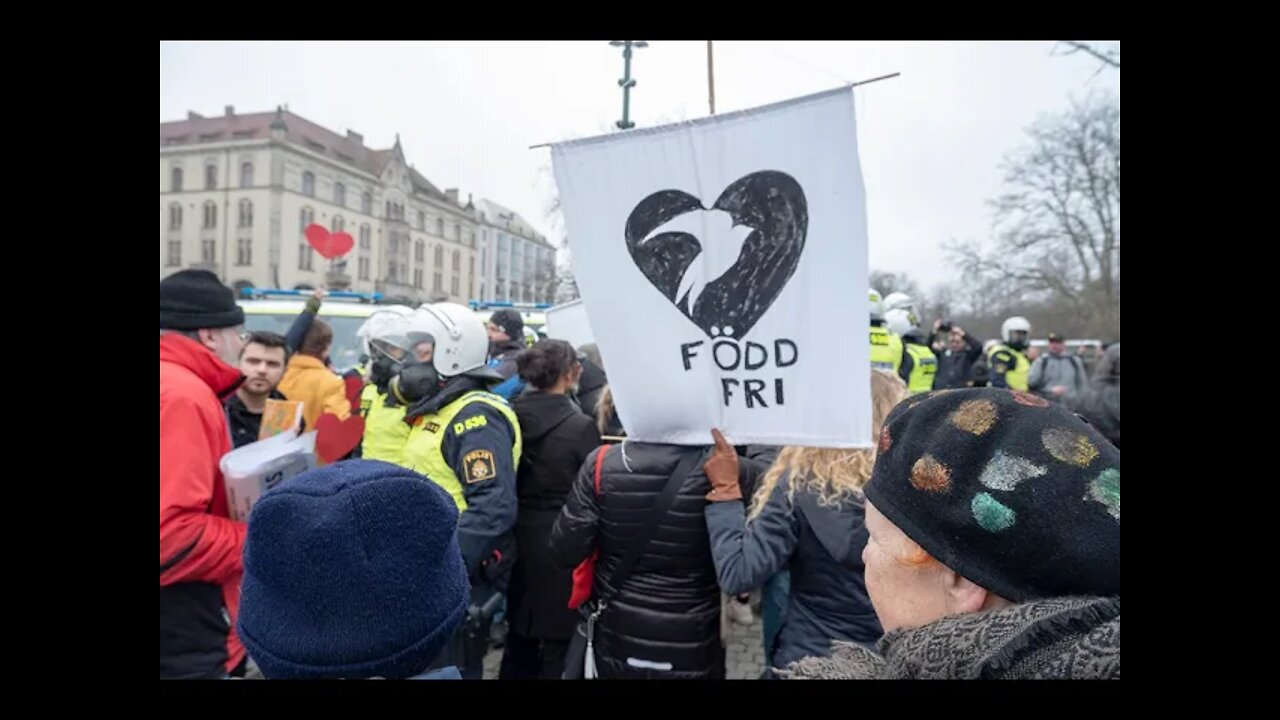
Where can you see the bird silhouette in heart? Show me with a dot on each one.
(724, 266)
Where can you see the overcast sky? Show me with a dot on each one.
(930, 141)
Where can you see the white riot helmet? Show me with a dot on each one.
(877, 306)
(461, 342)
(898, 300)
(380, 324)
(900, 313)
(901, 321)
(1016, 324)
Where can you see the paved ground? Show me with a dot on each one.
(744, 654)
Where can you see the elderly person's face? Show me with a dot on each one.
(908, 588)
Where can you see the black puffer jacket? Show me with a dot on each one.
(664, 622)
(822, 545)
(557, 439)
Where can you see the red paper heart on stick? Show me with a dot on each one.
(355, 385)
(329, 245)
(335, 438)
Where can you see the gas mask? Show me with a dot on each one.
(416, 382)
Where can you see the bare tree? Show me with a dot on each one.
(887, 282)
(1058, 223)
(1110, 56)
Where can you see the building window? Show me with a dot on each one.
(453, 284)
(422, 221)
(175, 216)
(438, 261)
(439, 222)
(340, 195)
(308, 184)
(471, 239)
(457, 232)
(484, 256)
(244, 251)
(246, 175)
(246, 213)
(457, 262)
(175, 180)
(391, 271)
(175, 254)
(338, 224)
(417, 279)
(306, 256)
(419, 251)
(210, 177)
(394, 244)
(305, 218)
(366, 204)
(210, 215)
(364, 238)
(472, 264)
(364, 268)
(208, 251)
(438, 283)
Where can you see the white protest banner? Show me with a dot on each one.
(723, 267)
(251, 470)
(568, 322)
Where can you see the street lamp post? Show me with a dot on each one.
(626, 83)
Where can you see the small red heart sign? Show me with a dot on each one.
(335, 438)
(329, 245)
(355, 385)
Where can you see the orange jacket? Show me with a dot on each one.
(200, 545)
(318, 388)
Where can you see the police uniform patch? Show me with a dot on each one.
(431, 427)
(480, 466)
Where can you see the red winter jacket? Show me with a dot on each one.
(200, 546)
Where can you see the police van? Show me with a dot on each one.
(275, 310)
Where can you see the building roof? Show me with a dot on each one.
(503, 217)
(348, 150)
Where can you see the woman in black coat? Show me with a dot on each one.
(664, 620)
(557, 439)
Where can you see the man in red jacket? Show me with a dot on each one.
(201, 334)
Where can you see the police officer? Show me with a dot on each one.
(886, 348)
(467, 440)
(1007, 360)
(387, 344)
(919, 365)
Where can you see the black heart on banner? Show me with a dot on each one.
(769, 204)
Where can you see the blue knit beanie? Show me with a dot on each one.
(352, 570)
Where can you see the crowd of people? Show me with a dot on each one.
(494, 484)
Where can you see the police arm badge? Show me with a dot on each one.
(480, 466)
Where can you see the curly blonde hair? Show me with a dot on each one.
(832, 473)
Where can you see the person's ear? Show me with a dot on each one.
(964, 595)
(208, 338)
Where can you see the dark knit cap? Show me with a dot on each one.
(352, 570)
(196, 299)
(510, 322)
(1013, 492)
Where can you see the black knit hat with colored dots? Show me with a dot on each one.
(1011, 491)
